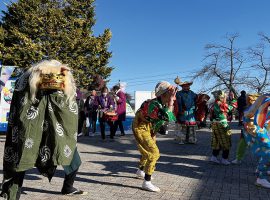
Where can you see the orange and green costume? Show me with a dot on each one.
(148, 120)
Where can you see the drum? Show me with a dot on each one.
(110, 116)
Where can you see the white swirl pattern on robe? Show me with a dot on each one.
(36, 100)
(59, 129)
(32, 113)
(45, 153)
(9, 154)
(73, 107)
(61, 104)
(45, 125)
(24, 101)
(67, 151)
(50, 107)
(15, 133)
(29, 142)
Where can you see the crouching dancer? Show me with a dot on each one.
(42, 128)
(150, 119)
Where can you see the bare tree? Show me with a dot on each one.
(259, 79)
(223, 63)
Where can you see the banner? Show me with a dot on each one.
(5, 100)
(6, 72)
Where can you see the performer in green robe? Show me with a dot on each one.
(42, 128)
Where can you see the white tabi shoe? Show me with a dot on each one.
(225, 162)
(262, 182)
(214, 160)
(80, 134)
(140, 174)
(147, 185)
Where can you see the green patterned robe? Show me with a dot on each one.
(42, 133)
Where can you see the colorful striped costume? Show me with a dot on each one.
(256, 132)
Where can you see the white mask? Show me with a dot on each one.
(104, 94)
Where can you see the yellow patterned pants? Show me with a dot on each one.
(221, 137)
(146, 144)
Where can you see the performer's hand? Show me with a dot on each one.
(173, 91)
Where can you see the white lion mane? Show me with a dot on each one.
(47, 67)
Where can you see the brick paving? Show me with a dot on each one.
(183, 172)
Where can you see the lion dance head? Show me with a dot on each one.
(50, 75)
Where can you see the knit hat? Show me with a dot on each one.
(162, 87)
(218, 94)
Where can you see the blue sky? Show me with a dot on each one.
(159, 39)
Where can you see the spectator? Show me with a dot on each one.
(91, 112)
(241, 102)
(104, 103)
(82, 117)
(120, 99)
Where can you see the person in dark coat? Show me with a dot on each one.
(91, 111)
(104, 103)
(241, 102)
(120, 99)
(82, 116)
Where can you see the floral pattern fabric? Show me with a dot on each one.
(156, 113)
(256, 133)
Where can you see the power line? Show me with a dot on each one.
(150, 76)
(143, 78)
(155, 79)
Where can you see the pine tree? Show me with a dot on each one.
(33, 30)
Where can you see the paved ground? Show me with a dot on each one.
(183, 172)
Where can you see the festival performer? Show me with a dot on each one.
(242, 145)
(256, 132)
(231, 100)
(202, 109)
(42, 128)
(221, 132)
(149, 120)
(186, 100)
